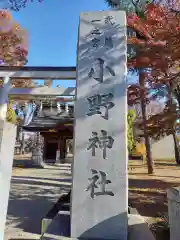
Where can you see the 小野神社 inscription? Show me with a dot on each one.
(98, 178)
(97, 72)
(103, 141)
(98, 101)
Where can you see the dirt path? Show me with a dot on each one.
(147, 193)
(33, 192)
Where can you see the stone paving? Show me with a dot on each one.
(33, 193)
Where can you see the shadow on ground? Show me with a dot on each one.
(149, 196)
(166, 164)
(30, 200)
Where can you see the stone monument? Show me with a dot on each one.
(100, 178)
(173, 196)
(37, 153)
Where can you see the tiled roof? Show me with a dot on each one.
(50, 120)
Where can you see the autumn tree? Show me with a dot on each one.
(156, 48)
(13, 41)
(13, 52)
(162, 25)
(162, 123)
(143, 41)
(13, 46)
(166, 73)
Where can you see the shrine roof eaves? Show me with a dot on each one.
(46, 123)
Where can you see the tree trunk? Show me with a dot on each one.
(176, 147)
(150, 164)
(178, 99)
(176, 143)
(176, 92)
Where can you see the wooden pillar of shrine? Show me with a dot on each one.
(44, 148)
(62, 141)
(58, 159)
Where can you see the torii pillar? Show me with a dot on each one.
(7, 144)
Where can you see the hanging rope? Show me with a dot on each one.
(11, 114)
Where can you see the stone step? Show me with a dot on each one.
(59, 228)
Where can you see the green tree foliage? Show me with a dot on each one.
(130, 119)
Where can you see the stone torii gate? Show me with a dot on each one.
(8, 130)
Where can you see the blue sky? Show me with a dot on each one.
(52, 27)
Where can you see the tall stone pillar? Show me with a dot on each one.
(7, 144)
(99, 207)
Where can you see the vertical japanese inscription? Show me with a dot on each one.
(109, 20)
(108, 42)
(103, 141)
(97, 72)
(95, 40)
(98, 178)
(96, 102)
(96, 33)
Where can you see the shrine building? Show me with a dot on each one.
(55, 124)
(52, 108)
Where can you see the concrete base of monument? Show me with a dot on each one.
(138, 228)
(59, 228)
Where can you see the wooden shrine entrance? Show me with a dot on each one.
(8, 130)
(51, 149)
